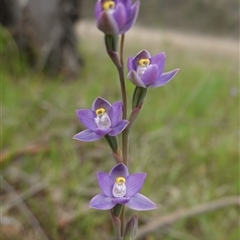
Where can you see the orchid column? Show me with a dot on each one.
(106, 120)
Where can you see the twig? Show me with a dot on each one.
(26, 211)
(19, 198)
(159, 222)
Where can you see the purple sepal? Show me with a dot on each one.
(115, 113)
(135, 79)
(164, 79)
(134, 183)
(101, 202)
(87, 136)
(141, 203)
(86, 117)
(119, 128)
(150, 74)
(100, 103)
(105, 183)
(119, 170)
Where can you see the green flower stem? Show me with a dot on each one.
(117, 210)
(116, 223)
(122, 218)
(111, 42)
(125, 132)
(138, 96)
(121, 48)
(124, 101)
(113, 143)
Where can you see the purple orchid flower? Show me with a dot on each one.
(103, 119)
(115, 17)
(118, 187)
(147, 72)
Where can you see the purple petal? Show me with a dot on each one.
(164, 78)
(143, 54)
(141, 203)
(119, 128)
(159, 60)
(106, 183)
(115, 112)
(117, 1)
(87, 136)
(121, 200)
(107, 24)
(150, 75)
(120, 170)
(102, 131)
(100, 103)
(130, 64)
(126, 3)
(135, 79)
(86, 116)
(132, 17)
(134, 183)
(120, 15)
(101, 202)
(98, 9)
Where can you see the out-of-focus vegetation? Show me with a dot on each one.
(186, 139)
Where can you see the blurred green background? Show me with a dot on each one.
(186, 138)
